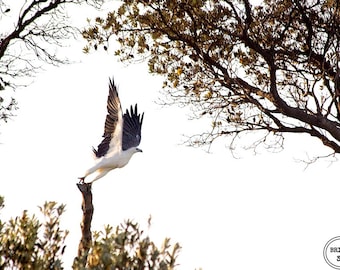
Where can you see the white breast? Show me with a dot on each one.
(119, 159)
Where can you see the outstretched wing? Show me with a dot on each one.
(132, 126)
(113, 124)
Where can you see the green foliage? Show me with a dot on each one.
(126, 247)
(271, 68)
(2, 202)
(26, 243)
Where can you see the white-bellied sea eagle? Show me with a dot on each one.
(122, 135)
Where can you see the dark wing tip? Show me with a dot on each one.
(142, 118)
(112, 82)
(132, 128)
(95, 152)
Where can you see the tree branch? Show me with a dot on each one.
(86, 235)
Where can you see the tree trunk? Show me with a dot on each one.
(86, 235)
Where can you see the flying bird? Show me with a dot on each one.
(122, 135)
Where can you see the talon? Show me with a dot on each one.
(81, 180)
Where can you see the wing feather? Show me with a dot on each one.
(112, 132)
(132, 127)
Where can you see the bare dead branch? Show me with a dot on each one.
(86, 234)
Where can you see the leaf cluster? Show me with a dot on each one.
(126, 247)
(271, 68)
(27, 243)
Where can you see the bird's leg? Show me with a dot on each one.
(87, 173)
(81, 180)
(101, 173)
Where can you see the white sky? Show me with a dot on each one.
(258, 212)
